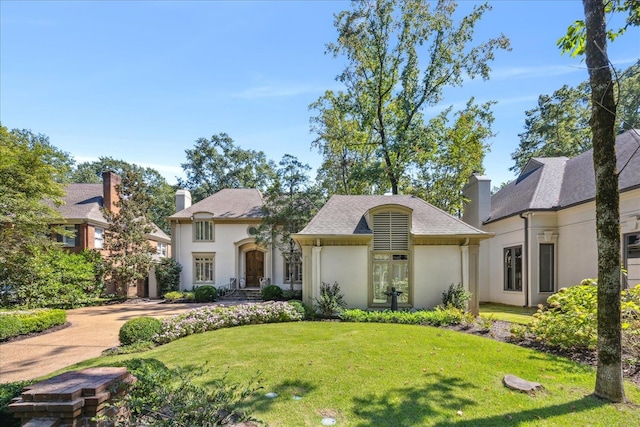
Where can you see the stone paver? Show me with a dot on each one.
(92, 330)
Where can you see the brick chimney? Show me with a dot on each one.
(109, 193)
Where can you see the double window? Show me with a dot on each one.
(161, 249)
(203, 268)
(513, 268)
(390, 257)
(203, 230)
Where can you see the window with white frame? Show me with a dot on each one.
(98, 238)
(203, 268)
(547, 267)
(513, 268)
(293, 267)
(390, 257)
(69, 241)
(161, 249)
(203, 230)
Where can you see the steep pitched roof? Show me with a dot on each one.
(557, 182)
(230, 203)
(345, 215)
(84, 202)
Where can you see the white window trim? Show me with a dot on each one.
(205, 222)
(99, 245)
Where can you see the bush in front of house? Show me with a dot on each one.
(21, 322)
(140, 329)
(164, 397)
(439, 316)
(210, 318)
(299, 307)
(288, 295)
(206, 293)
(168, 275)
(331, 301)
(271, 293)
(456, 296)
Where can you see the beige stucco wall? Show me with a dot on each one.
(435, 268)
(231, 241)
(347, 265)
(572, 230)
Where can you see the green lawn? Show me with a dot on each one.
(365, 374)
(507, 313)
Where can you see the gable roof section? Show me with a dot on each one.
(345, 216)
(84, 202)
(230, 203)
(555, 183)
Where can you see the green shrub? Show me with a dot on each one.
(177, 400)
(438, 317)
(21, 322)
(139, 329)
(456, 296)
(168, 275)
(569, 321)
(271, 293)
(288, 295)
(7, 392)
(206, 293)
(299, 307)
(331, 301)
(173, 296)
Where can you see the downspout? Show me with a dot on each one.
(525, 261)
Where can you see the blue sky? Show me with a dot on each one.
(141, 81)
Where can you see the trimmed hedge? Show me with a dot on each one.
(140, 329)
(206, 293)
(271, 293)
(22, 322)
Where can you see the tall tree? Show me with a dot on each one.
(289, 205)
(590, 37)
(126, 239)
(161, 192)
(28, 190)
(459, 152)
(559, 125)
(379, 118)
(217, 163)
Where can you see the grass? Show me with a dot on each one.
(507, 313)
(365, 374)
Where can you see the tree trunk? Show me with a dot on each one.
(609, 380)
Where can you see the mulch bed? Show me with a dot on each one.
(500, 331)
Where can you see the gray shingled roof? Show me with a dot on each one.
(83, 202)
(557, 182)
(230, 203)
(345, 215)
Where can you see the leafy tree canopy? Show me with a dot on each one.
(559, 125)
(217, 163)
(401, 55)
(161, 192)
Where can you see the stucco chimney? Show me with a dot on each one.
(110, 196)
(478, 208)
(183, 200)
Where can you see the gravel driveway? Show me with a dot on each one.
(92, 330)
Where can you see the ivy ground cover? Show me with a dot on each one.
(364, 374)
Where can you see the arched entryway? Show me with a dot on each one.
(254, 267)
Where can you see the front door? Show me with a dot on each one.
(254, 261)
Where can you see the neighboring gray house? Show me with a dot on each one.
(369, 244)
(544, 225)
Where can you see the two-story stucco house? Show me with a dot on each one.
(215, 242)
